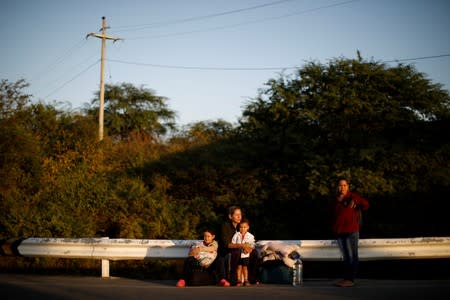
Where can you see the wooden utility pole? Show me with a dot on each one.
(104, 37)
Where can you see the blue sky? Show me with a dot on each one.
(209, 57)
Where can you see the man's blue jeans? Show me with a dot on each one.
(348, 245)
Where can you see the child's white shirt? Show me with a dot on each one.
(247, 238)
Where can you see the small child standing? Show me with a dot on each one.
(244, 237)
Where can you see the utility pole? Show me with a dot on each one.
(104, 37)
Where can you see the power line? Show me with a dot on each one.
(198, 68)
(62, 57)
(191, 19)
(222, 68)
(215, 28)
(59, 77)
(73, 78)
(416, 58)
(244, 23)
(249, 69)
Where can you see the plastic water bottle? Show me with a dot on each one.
(297, 273)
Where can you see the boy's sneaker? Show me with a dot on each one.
(181, 283)
(223, 282)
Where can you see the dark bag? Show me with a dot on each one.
(201, 276)
(275, 271)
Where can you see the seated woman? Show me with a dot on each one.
(201, 267)
(230, 253)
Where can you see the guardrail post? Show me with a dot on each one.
(105, 268)
(105, 264)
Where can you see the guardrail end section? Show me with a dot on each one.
(10, 247)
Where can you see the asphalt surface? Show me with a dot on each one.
(37, 287)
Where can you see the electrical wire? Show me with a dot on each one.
(416, 58)
(59, 77)
(198, 68)
(242, 23)
(71, 50)
(220, 68)
(73, 78)
(66, 54)
(249, 69)
(191, 19)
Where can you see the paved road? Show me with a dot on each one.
(37, 287)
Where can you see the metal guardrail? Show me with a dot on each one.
(107, 249)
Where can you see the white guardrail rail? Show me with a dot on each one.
(106, 249)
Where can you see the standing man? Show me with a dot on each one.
(346, 225)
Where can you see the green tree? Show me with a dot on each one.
(353, 115)
(130, 109)
(42, 153)
(385, 128)
(19, 156)
(12, 97)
